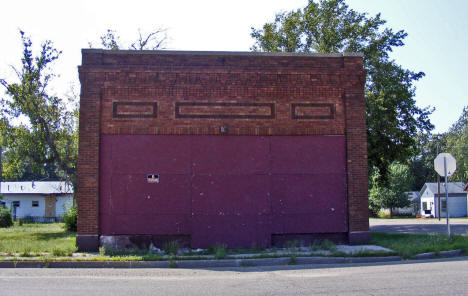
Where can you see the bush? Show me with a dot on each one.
(171, 247)
(328, 245)
(6, 219)
(219, 251)
(70, 219)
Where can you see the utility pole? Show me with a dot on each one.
(438, 190)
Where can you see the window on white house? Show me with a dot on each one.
(425, 206)
(15, 204)
(444, 205)
(35, 203)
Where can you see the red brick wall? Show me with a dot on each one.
(190, 93)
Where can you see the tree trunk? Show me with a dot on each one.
(391, 212)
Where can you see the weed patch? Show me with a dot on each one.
(219, 251)
(408, 245)
(36, 238)
(171, 247)
(328, 245)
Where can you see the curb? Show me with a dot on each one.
(220, 262)
(442, 254)
(196, 263)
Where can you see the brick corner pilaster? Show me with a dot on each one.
(356, 150)
(88, 162)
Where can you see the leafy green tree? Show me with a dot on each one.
(330, 26)
(21, 160)
(422, 163)
(393, 195)
(457, 145)
(46, 142)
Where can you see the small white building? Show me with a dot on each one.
(457, 200)
(37, 200)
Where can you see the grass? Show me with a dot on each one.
(52, 242)
(408, 245)
(219, 251)
(35, 239)
(171, 247)
(393, 217)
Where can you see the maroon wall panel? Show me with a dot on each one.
(308, 155)
(129, 203)
(230, 155)
(237, 190)
(143, 154)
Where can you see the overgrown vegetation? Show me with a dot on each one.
(70, 219)
(219, 251)
(171, 247)
(6, 219)
(328, 245)
(408, 245)
(36, 239)
(391, 195)
(52, 242)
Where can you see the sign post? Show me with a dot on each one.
(445, 165)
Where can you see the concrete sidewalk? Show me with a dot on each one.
(238, 260)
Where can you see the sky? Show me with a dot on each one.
(436, 44)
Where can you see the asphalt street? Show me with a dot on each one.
(419, 226)
(436, 277)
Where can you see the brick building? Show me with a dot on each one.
(221, 147)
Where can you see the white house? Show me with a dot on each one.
(457, 200)
(37, 200)
(412, 209)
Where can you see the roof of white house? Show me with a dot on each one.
(453, 188)
(413, 195)
(36, 187)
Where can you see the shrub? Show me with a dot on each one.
(70, 218)
(328, 245)
(6, 219)
(292, 260)
(26, 252)
(315, 246)
(57, 252)
(219, 251)
(102, 251)
(292, 246)
(171, 247)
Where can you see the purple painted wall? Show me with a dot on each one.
(238, 190)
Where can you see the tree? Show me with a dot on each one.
(151, 41)
(457, 145)
(329, 26)
(422, 164)
(392, 196)
(21, 159)
(47, 139)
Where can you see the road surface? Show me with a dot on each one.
(439, 277)
(419, 226)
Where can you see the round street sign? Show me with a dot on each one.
(450, 162)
